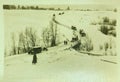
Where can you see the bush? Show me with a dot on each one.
(104, 29)
(115, 10)
(100, 23)
(101, 47)
(106, 46)
(109, 48)
(112, 28)
(112, 32)
(93, 23)
(106, 20)
(113, 22)
(87, 45)
(108, 30)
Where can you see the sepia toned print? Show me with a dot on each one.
(60, 43)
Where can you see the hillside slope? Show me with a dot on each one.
(60, 65)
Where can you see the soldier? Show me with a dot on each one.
(53, 18)
(34, 57)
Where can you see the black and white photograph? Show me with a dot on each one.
(71, 42)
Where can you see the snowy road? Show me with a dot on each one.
(60, 66)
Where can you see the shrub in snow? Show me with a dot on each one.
(115, 10)
(111, 28)
(106, 46)
(86, 43)
(113, 22)
(104, 29)
(82, 33)
(94, 23)
(106, 20)
(101, 47)
(112, 32)
(109, 48)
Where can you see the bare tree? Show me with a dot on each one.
(68, 8)
(13, 44)
(32, 36)
(46, 36)
(50, 35)
(22, 43)
(53, 29)
(27, 39)
(5, 52)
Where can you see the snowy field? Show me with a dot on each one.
(58, 64)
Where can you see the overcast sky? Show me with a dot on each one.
(61, 1)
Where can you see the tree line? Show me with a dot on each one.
(23, 7)
(36, 7)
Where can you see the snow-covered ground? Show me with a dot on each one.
(57, 64)
(17, 20)
(60, 65)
